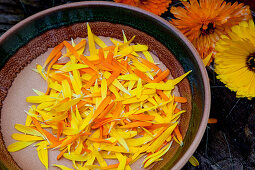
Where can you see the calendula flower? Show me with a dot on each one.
(157, 7)
(235, 59)
(205, 21)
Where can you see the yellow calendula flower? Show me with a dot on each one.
(235, 59)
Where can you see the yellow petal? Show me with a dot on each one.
(55, 86)
(98, 156)
(139, 88)
(29, 119)
(92, 47)
(77, 78)
(161, 139)
(86, 121)
(126, 134)
(131, 85)
(135, 100)
(72, 67)
(18, 146)
(117, 84)
(114, 91)
(75, 84)
(129, 77)
(67, 105)
(122, 161)
(169, 85)
(121, 140)
(124, 36)
(141, 67)
(193, 161)
(156, 156)
(42, 152)
(44, 105)
(25, 138)
(66, 89)
(27, 130)
(41, 71)
(99, 41)
(103, 88)
(86, 77)
(140, 47)
(39, 99)
(89, 162)
(116, 42)
(77, 157)
(148, 56)
(60, 117)
(139, 141)
(125, 51)
(207, 59)
(126, 44)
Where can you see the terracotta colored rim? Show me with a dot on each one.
(182, 161)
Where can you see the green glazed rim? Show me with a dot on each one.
(153, 25)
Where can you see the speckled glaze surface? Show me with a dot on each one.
(33, 36)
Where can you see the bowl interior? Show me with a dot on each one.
(75, 15)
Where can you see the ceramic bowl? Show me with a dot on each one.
(33, 36)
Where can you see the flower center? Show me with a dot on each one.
(143, 1)
(209, 30)
(251, 62)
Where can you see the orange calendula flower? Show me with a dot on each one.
(205, 21)
(157, 7)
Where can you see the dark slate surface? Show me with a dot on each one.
(229, 144)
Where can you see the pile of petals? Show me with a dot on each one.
(112, 104)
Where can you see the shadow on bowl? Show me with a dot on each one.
(33, 36)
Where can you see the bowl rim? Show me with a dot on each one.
(207, 96)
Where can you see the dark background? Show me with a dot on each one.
(229, 144)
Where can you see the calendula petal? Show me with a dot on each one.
(156, 156)
(128, 77)
(18, 146)
(140, 47)
(67, 105)
(104, 88)
(99, 42)
(39, 99)
(92, 47)
(160, 140)
(76, 86)
(27, 130)
(72, 67)
(121, 140)
(122, 161)
(139, 141)
(99, 157)
(77, 157)
(25, 138)
(139, 88)
(77, 78)
(193, 161)
(125, 51)
(41, 71)
(148, 56)
(43, 153)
